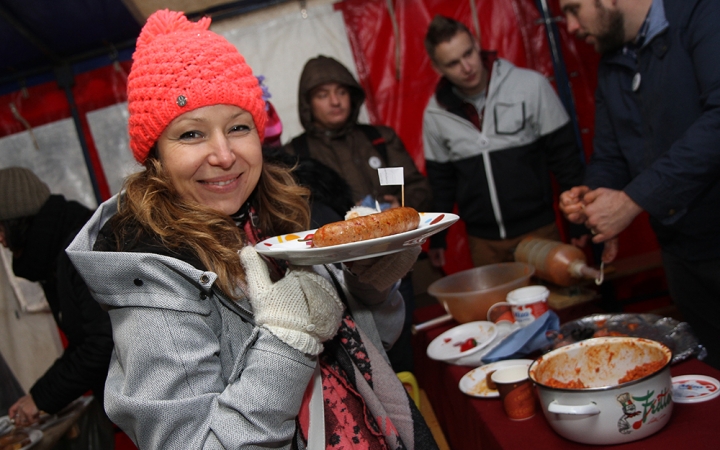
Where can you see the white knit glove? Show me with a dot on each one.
(383, 271)
(302, 309)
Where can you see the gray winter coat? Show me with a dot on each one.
(239, 386)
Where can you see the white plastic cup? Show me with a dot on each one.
(523, 305)
(528, 303)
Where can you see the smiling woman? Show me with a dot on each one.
(213, 155)
(215, 346)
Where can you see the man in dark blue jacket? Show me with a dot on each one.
(657, 140)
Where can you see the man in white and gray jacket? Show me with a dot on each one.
(492, 134)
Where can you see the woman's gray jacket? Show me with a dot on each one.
(190, 369)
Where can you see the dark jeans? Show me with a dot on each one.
(695, 290)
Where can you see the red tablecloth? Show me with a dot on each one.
(472, 423)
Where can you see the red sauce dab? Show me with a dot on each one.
(437, 219)
(641, 371)
(572, 384)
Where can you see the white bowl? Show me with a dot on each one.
(446, 347)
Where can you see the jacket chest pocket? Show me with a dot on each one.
(509, 118)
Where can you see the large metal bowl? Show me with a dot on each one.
(468, 295)
(613, 407)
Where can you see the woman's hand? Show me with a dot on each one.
(24, 412)
(382, 272)
(302, 309)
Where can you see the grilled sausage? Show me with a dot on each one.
(386, 223)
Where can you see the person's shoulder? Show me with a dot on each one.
(528, 82)
(432, 106)
(522, 72)
(385, 131)
(288, 147)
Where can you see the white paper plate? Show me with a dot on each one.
(296, 247)
(446, 347)
(474, 382)
(503, 328)
(694, 388)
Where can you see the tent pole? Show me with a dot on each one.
(561, 77)
(66, 80)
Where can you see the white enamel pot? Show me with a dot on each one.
(608, 410)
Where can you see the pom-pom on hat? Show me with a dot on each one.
(179, 66)
(22, 194)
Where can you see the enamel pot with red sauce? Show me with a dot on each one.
(606, 390)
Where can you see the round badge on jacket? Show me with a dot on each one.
(375, 162)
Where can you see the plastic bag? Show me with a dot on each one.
(524, 341)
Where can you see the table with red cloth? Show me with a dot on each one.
(472, 423)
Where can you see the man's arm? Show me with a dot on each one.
(677, 178)
(607, 167)
(441, 174)
(83, 365)
(564, 161)
(563, 156)
(557, 140)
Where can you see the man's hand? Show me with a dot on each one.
(608, 212)
(24, 412)
(572, 204)
(437, 257)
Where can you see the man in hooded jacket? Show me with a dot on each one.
(329, 101)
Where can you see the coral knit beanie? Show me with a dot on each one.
(179, 66)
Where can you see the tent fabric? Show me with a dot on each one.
(24, 113)
(278, 49)
(64, 29)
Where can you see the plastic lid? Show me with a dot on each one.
(694, 388)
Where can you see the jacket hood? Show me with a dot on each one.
(119, 279)
(319, 71)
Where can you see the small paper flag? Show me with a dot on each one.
(391, 176)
